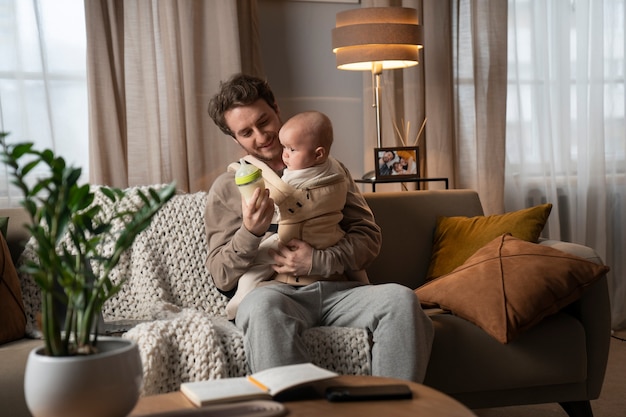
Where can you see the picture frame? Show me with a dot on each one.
(397, 162)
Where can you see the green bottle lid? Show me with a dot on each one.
(246, 173)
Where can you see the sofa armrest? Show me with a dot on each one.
(576, 249)
(593, 311)
(17, 234)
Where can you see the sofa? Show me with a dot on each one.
(170, 307)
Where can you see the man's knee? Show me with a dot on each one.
(398, 296)
(262, 302)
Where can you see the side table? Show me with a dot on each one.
(418, 181)
(426, 402)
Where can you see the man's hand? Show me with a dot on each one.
(258, 213)
(294, 258)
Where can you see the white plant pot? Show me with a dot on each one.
(106, 384)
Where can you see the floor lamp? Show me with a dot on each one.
(375, 39)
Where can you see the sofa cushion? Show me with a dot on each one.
(457, 238)
(11, 307)
(510, 285)
(465, 359)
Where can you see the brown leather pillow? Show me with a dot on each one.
(12, 314)
(510, 285)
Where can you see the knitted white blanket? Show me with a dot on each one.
(185, 335)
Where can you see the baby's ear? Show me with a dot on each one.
(320, 153)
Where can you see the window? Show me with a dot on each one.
(43, 86)
(566, 84)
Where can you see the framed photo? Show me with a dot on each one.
(397, 163)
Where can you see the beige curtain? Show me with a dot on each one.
(465, 63)
(439, 69)
(152, 67)
(460, 87)
(480, 89)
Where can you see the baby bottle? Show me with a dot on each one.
(248, 178)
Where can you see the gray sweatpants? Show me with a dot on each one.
(274, 317)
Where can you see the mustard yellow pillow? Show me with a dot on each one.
(458, 238)
(510, 285)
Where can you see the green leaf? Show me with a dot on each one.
(44, 183)
(72, 174)
(20, 150)
(29, 167)
(108, 193)
(78, 199)
(30, 207)
(48, 156)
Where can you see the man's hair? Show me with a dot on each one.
(239, 90)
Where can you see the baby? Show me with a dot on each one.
(317, 188)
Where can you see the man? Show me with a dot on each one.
(273, 317)
(386, 162)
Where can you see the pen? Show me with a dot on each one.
(258, 384)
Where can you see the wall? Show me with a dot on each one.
(300, 65)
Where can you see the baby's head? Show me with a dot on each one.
(306, 139)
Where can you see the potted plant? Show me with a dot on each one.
(72, 271)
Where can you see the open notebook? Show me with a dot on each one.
(265, 384)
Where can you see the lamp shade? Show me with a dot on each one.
(387, 37)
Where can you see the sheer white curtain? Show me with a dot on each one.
(43, 88)
(566, 127)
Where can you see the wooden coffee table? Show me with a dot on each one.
(426, 402)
